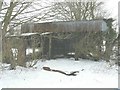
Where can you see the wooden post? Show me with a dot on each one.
(76, 49)
(101, 44)
(42, 46)
(119, 42)
(1, 2)
(50, 46)
(22, 53)
(119, 48)
(10, 43)
(33, 47)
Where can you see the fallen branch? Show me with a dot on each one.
(73, 73)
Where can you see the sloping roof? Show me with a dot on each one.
(65, 26)
(29, 34)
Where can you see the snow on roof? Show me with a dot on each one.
(45, 33)
(24, 34)
(71, 53)
(28, 34)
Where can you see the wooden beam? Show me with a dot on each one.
(50, 46)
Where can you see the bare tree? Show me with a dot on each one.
(8, 17)
(16, 13)
(90, 44)
(81, 10)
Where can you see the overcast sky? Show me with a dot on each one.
(112, 7)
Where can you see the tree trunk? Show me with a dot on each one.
(6, 22)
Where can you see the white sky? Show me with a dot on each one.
(112, 7)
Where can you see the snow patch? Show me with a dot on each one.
(96, 74)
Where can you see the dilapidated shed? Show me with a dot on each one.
(52, 38)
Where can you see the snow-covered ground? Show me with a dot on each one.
(95, 75)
